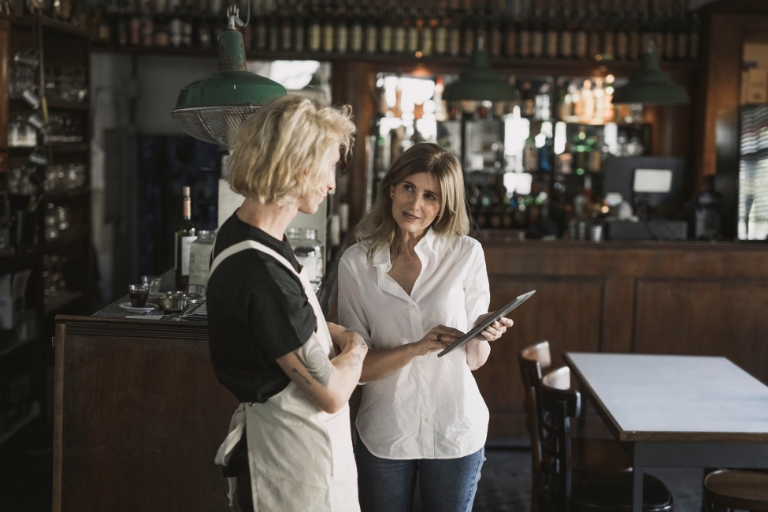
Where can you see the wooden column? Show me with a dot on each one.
(352, 84)
(5, 29)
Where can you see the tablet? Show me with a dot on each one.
(488, 321)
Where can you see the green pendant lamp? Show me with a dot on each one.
(479, 82)
(214, 109)
(649, 85)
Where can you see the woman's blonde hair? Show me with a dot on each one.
(378, 227)
(281, 149)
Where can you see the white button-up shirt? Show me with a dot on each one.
(430, 408)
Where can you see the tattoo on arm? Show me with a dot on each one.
(315, 361)
(356, 362)
(309, 382)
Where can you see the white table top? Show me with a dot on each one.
(674, 398)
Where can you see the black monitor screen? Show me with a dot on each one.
(659, 180)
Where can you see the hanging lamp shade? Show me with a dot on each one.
(649, 85)
(214, 109)
(480, 83)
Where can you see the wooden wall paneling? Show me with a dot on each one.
(145, 412)
(353, 84)
(714, 317)
(566, 311)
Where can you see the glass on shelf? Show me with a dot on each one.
(304, 241)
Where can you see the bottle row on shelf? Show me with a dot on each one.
(556, 29)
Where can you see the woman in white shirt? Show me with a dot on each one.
(412, 285)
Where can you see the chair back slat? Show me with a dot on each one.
(558, 404)
(533, 360)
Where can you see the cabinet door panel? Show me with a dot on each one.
(724, 317)
(567, 311)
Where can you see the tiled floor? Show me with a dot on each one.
(504, 486)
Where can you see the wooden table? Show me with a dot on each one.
(677, 411)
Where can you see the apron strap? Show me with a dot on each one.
(249, 244)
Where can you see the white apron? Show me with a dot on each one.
(300, 458)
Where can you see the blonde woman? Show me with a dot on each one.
(411, 286)
(289, 446)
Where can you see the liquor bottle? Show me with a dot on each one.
(657, 22)
(610, 25)
(588, 97)
(315, 29)
(328, 28)
(496, 37)
(510, 37)
(524, 36)
(400, 31)
(412, 32)
(594, 49)
(468, 36)
(681, 39)
(527, 101)
(481, 29)
(286, 27)
(693, 38)
(553, 29)
(530, 155)
(342, 29)
(429, 24)
(273, 25)
(441, 30)
(567, 28)
(371, 30)
(537, 35)
(622, 35)
(646, 31)
(543, 103)
(185, 235)
(580, 35)
(670, 37)
(454, 34)
(387, 32)
(260, 29)
(356, 31)
(634, 39)
(299, 30)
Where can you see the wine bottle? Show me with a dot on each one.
(185, 235)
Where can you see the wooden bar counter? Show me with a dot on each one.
(139, 413)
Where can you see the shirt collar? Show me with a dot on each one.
(381, 258)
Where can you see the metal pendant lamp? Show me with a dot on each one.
(214, 109)
(479, 82)
(650, 85)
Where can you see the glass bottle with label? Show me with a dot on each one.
(328, 28)
(315, 30)
(580, 35)
(412, 32)
(401, 27)
(454, 35)
(568, 26)
(356, 31)
(468, 36)
(299, 24)
(185, 235)
(200, 257)
(441, 33)
(430, 23)
(306, 238)
(537, 35)
(342, 29)
(371, 30)
(552, 32)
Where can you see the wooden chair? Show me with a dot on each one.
(586, 454)
(583, 491)
(726, 490)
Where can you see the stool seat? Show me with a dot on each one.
(744, 490)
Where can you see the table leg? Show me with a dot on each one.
(637, 490)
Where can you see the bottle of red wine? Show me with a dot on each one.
(185, 235)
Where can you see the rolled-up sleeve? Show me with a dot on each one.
(351, 312)
(476, 290)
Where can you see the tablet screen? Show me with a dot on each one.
(509, 306)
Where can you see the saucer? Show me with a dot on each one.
(146, 309)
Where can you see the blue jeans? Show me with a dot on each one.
(445, 485)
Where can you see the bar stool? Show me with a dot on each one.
(586, 454)
(726, 490)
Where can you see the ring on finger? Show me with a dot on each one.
(439, 337)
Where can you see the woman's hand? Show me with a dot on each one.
(437, 338)
(496, 329)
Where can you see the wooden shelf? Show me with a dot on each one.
(68, 105)
(34, 413)
(61, 299)
(564, 66)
